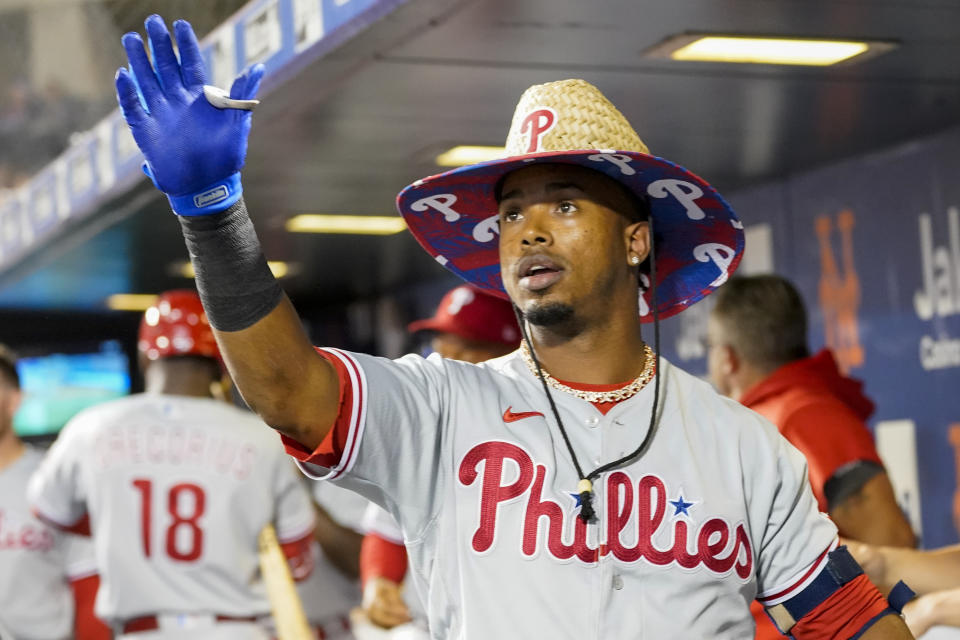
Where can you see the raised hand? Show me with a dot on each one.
(194, 151)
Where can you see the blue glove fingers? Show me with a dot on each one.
(246, 85)
(239, 87)
(145, 167)
(192, 68)
(161, 48)
(254, 77)
(140, 66)
(133, 79)
(130, 105)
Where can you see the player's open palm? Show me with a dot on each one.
(188, 143)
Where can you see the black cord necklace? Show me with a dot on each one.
(585, 486)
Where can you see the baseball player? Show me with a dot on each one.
(332, 591)
(48, 578)
(468, 325)
(176, 486)
(581, 487)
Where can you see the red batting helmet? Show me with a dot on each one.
(176, 325)
(472, 314)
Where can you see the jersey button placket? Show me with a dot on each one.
(607, 571)
(595, 436)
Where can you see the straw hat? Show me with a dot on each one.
(698, 237)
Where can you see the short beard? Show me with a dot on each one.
(549, 315)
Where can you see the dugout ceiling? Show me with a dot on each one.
(362, 108)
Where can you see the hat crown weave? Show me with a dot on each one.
(569, 115)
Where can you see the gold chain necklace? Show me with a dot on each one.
(649, 368)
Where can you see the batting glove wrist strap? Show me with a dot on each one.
(212, 199)
(233, 279)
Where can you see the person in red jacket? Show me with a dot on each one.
(758, 355)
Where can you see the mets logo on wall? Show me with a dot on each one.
(839, 291)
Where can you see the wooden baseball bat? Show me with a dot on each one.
(285, 602)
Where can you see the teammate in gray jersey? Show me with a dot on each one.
(177, 486)
(333, 589)
(467, 325)
(582, 487)
(48, 577)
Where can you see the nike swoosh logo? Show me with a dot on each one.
(510, 416)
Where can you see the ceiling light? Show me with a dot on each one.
(766, 50)
(131, 301)
(365, 225)
(278, 268)
(469, 154)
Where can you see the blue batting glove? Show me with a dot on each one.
(194, 151)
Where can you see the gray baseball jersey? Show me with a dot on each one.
(37, 561)
(468, 459)
(378, 521)
(328, 595)
(177, 490)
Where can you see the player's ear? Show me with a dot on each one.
(730, 362)
(637, 236)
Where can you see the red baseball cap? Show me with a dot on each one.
(472, 314)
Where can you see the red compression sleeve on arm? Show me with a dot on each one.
(81, 527)
(845, 614)
(381, 558)
(86, 625)
(299, 554)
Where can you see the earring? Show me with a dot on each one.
(635, 260)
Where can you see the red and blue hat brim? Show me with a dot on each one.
(698, 238)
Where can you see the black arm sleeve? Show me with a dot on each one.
(849, 480)
(233, 279)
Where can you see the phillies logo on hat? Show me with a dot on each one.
(461, 297)
(539, 122)
(720, 255)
